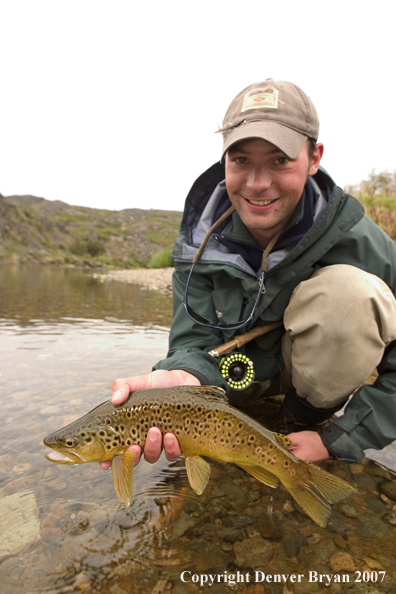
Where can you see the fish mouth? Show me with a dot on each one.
(61, 458)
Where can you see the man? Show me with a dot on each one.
(280, 242)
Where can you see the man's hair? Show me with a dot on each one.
(311, 147)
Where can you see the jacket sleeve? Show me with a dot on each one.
(190, 343)
(369, 417)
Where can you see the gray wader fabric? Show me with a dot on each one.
(338, 324)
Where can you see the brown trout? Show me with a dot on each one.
(205, 425)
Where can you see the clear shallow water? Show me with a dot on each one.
(64, 337)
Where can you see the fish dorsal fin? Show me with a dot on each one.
(198, 472)
(122, 470)
(283, 440)
(261, 474)
(213, 393)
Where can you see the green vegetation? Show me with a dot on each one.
(381, 210)
(162, 259)
(377, 193)
(38, 230)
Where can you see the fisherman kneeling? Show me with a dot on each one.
(281, 242)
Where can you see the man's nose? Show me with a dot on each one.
(259, 178)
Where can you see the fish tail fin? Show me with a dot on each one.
(317, 491)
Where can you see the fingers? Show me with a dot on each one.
(160, 378)
(153, 446)
(171, 447)
(309, 446)
(135, 448)
(105, 465)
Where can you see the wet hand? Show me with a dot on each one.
(153, 448)
(161, 378)
(308, 446)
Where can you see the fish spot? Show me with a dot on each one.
(82, 434)
(108, 447)
(286, 463)
(251, 437)
(128, 442)
(122, 428)
(258, 450)
(101, 433)
(115, 444)
(88, 439)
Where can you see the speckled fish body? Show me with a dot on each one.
(205, 425)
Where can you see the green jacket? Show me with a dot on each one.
(223, 281)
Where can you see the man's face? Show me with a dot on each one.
(265, 185)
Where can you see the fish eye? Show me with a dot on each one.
(70, 442)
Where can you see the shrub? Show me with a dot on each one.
(162, 259)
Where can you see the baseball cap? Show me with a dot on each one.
(276, 111)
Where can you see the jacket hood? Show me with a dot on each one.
(232, 243)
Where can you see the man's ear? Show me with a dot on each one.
(316, 158)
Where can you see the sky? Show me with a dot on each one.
(115, 104)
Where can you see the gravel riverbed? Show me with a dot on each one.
(156, 279)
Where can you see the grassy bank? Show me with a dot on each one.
(382, 210)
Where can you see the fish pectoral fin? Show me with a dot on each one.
(261, 474)
(283, 440)
(198, 472)
(122, 470)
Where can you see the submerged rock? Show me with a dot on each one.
(19, 522)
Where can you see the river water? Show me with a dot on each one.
(64, 338)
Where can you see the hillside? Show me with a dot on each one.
(53, 232)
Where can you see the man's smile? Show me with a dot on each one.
(260, 202)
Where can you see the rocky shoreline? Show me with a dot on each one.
(153, 279)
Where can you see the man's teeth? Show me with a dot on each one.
(260, 202)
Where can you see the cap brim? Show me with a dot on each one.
(287, 140)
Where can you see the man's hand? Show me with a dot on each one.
(308, 446)
(156, 379)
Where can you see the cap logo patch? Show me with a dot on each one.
(261, 98)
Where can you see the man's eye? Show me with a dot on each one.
(282, 160)
(241, 160)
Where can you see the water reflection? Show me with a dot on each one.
(64, 338)
(32, 294)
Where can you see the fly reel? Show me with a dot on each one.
(237, 369)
